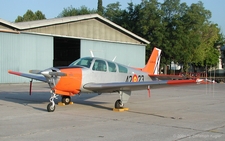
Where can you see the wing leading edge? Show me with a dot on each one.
(122, 86)
(31, 76)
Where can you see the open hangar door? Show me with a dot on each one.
(66, 50)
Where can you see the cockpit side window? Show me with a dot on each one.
(99, 65)
(85, 62)
(122, 69)
(112, 67)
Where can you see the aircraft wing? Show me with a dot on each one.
(31, 76)
(123, 86)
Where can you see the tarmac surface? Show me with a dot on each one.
(181, 113)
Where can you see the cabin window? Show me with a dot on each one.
(122, 69)
(112, 67)
(99, 65)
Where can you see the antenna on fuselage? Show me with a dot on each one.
(92, 54)
(114, 59)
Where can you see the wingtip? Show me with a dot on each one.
(9, 71)
(13, 72)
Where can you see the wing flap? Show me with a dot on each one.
(31, 76)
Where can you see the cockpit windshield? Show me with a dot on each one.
(85, 62)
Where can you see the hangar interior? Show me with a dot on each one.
(58, 42)
(66, 50)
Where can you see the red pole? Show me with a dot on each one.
(31, 85)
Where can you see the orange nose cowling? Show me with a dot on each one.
(71, 83)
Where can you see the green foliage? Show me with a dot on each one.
(71, 11)
(130, 20)
(113, 12)
(30, 16)
(100, 7)
(184, 33)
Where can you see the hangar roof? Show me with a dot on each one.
(25, 26)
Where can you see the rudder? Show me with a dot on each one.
(152, 66)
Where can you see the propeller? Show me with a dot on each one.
(35, 71)
(47, 73)
(57, 73)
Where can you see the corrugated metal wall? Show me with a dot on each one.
(23, 52)
(127, 54)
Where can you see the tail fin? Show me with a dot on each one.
(152, 67)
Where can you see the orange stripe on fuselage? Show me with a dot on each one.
(71, 83)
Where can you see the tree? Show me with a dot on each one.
(30, 16)
(150, 24)
(113, 13)
(71, 11)
(100, 7)
(39, 15)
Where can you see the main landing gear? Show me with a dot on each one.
(124, 97)
(118, 104)
(66, 100)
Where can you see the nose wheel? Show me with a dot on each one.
(51, 105)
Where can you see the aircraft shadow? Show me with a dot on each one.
(92, 104)
(25, 99)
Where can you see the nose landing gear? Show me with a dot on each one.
(51, 105)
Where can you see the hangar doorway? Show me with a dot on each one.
(66, 50)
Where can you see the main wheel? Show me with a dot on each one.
(118, 104)
(66, 100)
(50, 107)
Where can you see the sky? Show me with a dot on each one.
(10, 9)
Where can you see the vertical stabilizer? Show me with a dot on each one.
(152, 67)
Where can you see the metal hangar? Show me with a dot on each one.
(58, 42)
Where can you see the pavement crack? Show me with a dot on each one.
(156, 115)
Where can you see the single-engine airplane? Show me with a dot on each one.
(96, 75)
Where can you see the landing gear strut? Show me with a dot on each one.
(51, 105)
(66, 100)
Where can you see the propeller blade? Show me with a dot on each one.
(49, 74)
(35, 71)
(57, 73)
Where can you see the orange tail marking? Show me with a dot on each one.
(152, 67)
